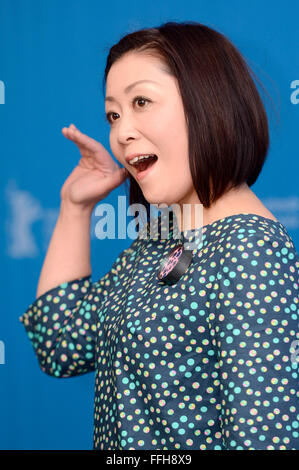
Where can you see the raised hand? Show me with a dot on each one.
(96, 174)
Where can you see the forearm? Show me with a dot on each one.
(68, 255)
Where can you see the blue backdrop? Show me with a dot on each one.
(52, 59)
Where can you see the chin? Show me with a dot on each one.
(157, 201)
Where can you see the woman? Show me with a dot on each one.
(204, 363)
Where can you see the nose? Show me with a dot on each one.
(126, 129)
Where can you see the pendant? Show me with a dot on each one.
(175, 265)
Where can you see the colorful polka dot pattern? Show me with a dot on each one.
(202, 364)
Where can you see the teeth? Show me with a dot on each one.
(139, 158)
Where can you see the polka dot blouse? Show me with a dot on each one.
(206, 363)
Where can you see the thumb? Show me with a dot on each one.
(121, 175)
(118, 177)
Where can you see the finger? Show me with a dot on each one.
(70, 133)
(84, 140)
(67, 133)
(69, 129)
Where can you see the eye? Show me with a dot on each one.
(137, 98)
(140, 98)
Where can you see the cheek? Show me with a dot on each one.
(173, 134)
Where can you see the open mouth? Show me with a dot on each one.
(145, 164)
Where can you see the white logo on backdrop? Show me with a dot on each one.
(27, 221)
(285, 209)
(24, 211)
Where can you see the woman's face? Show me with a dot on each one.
(157, 126)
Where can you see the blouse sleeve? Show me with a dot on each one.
(62, 323)
(256, 328)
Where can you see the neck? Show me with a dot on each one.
(191, 214)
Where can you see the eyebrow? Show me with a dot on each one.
(129, 88)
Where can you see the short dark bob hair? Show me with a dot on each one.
(228, 131)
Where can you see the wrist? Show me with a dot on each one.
(68, 208)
